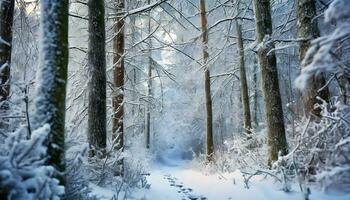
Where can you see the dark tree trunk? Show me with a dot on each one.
(52, 78)
(244, 85)
(270, 85)
(149, 85)
(308, 30)
(208, 103)
(97, 82)
(118, 75)
(6, 21)
(255, 100)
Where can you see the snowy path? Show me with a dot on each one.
(177, 180)
(181, 182)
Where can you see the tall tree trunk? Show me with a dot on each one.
(6, 21)
(52, 79)
(149, 84)
(270, 86)
(243, 79)
(255, 88)
(97, 82)
(308, 29)
(208, 103)
(118, 75)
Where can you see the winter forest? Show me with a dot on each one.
(175, 99)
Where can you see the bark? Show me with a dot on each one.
(97, 82)
(149, 86)
(208, 103)
(6, 21)
(244, 85)
(118, 75)
(308, 29)
(52, 79)
(255, 100)
(270, 85)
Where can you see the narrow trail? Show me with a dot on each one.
(177, 180)
(174, 179)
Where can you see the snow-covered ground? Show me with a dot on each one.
(178, 180)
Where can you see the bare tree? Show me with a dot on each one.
(208, 102)
(149, 83)
(270, 85)
(243, 78)
(118, 75)
(97, 82)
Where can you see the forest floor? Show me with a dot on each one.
(178, 180)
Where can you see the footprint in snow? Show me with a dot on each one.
(187, 192)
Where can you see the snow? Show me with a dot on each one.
(175, 179)
(145, 8)
(100, 192)
(22, 172)
(319, 58)
(338, 9)
(46, 75)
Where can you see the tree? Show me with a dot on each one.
(255, 97)
(269, 77)
(149, 83)
(97, 83)
(208, 103)
(52, 79)
(307, 31)
(118, 76)
(6, 21)
(243, 79)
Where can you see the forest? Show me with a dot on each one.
(175, 99)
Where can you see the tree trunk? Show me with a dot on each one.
(52, 78)
(118, 75)
(97, 82)
(255, 88)
(243, 79)
(308, 29)
(149, 85)
(208, 103)
(6, 21)
(270, 86)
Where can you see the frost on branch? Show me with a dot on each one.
(337, 10)
(322, 56)
(23, 173)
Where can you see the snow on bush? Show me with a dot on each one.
(324, 147)
(23, 173)
(323, 152)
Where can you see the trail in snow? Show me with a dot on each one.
(178, 180)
